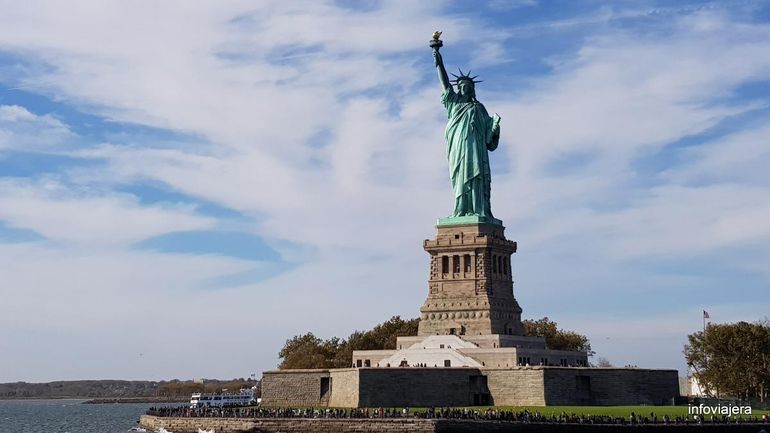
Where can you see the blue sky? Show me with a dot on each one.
(185, 183)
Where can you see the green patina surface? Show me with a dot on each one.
(468, 219)
(470, 134)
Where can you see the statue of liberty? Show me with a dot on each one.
(470, 132)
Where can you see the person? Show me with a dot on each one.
(470, 133)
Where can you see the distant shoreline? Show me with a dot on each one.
(106, 391)
(106, 400)
(137, 400)
(15, 398)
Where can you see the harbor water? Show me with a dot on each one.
(68, 416)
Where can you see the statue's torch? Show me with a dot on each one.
(436, 43)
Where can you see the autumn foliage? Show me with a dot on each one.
(732, 360)
(309, 351)
(555, 338)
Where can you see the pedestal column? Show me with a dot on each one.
(470, 288)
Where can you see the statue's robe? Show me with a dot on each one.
(470, 132)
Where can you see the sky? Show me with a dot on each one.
(185, 185)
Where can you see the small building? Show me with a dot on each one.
(469, 351)
(694, 388)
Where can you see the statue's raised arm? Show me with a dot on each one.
(471, 133)
(443, 78)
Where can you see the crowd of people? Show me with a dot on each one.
(526, 416)
(257, 412)
(523, 416)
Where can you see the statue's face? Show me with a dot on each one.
(466, 88)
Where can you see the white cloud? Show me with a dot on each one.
(624, 94)
(91, 218)
(94, 310)
(112, 305)
(257, 85)
(504, 5)
(737, 158)
(223, 63)
(21, 130)
(626, 97)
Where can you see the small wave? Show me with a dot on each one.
(162, 430)
(206, 431)
(137, 429)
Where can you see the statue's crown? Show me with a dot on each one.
(465, 77)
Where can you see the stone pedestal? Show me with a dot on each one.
(470, 290)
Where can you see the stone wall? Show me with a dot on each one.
(370, 357)
(288, 425)
(191, 425)
(610, 386)
(467, 294)
(555, 386)
(344, 387)
(293, 387)
(497, 340)
(505, 357)
(555, 357)
(515, 387)
(415, 387)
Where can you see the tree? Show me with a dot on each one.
(230, 386)
(732, 359)
(309, 351)
(603, 362)
(555, 338)
(177, 388)
(381, 337)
